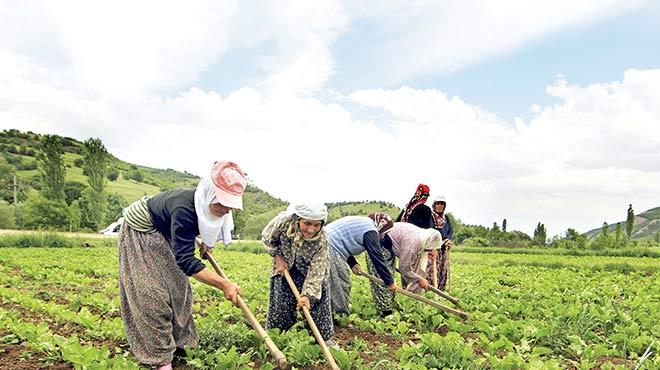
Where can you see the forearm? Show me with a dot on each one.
(374, 250)
(209, 277)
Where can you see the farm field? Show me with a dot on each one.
(59, 308)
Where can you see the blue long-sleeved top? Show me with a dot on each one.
(352, 235)
(173, 215)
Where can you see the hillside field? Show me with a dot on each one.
(59, 308)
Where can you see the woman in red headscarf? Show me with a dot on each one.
(416, 211)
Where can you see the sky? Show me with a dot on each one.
(529, 111)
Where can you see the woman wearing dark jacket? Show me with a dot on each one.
(157, 255)
(416, 211)
(441, 223)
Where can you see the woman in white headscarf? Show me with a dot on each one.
(298, 244)
(157, 255)
(412, 245)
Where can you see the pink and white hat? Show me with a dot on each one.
(229, 184)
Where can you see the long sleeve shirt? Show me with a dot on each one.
(311, 258)
(447, 231)
(406, 244)
(173, 215)
(352, 235)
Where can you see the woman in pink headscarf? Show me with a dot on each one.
(157, 255)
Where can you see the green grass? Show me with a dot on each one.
(53, 240)
(622, 252)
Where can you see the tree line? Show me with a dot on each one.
(59, 204)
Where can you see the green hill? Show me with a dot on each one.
(646, 226)
(19, 155)
(20, 150)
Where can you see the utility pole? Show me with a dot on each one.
(15, 198)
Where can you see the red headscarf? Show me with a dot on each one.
(420, 197)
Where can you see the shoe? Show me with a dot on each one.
(386, 313)
(332, 344)
(180, 352)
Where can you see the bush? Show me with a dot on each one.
(78, 162)
(29, 166)
(113, 174)
(136, 175)
(7, 216)
(73, 190)
(476, 241)
(42, 213)
(52, 240)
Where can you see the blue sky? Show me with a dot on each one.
(334, 100)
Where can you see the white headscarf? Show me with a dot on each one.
(208, 223)
(311, 211)
(430, 239)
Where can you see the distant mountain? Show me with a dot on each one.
(19, 151)
(646, 225)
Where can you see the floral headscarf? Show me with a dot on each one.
(383, 222)
(420, 197)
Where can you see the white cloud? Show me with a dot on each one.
(123, 48)
(304, 31)
(569, 167)
(557, 169)
(102, 70)
(438, 37)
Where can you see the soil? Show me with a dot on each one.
(613, 360)
(345, 335)
(442, 330)
(21, 357)
(63, 329)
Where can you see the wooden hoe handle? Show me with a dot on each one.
(419, 297)
(312, 325)
(277, 354)
(443, 294)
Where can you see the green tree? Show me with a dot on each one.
(604, 240)
(44, 213)
(113, 174)
(73, 190)
(618, 234)
(572, 234)
(605, 230)
(75, 216)
(630, 221)
(240, 222)
(540, 234)
(115, 205)
(96, 163)
(51, 168)
(92, 208)
(136, 175)
(7, 216)
(7, 173)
